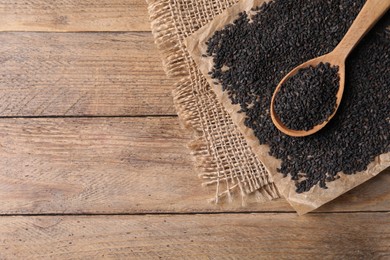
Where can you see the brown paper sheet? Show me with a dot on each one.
(303, 202)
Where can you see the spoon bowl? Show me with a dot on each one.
(371, 12)
(327, 58)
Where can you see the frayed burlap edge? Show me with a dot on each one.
(219, 149)
(248, 178)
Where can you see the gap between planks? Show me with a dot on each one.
(89, 116)
(227, 213)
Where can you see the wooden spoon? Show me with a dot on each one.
(371, 12)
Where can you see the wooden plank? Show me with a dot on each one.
(232, 236)
(122, 165)
(74, 15)
(110, 74)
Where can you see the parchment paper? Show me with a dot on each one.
(301, 202)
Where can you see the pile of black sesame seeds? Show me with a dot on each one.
(254, 53)
(308, 98)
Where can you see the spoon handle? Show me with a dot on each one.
(371, 12)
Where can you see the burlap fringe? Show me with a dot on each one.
(225, 181)
(226, 184)
(167, 39)
(177, 65)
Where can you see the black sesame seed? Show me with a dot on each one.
(254, 53)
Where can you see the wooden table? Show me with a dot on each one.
(94, 162)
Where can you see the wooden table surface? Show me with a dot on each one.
(94, 162)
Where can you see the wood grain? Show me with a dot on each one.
(233, 236)
(67, 74)
(73, 15)
(122, 165)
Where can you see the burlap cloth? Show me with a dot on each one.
(220, 150)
